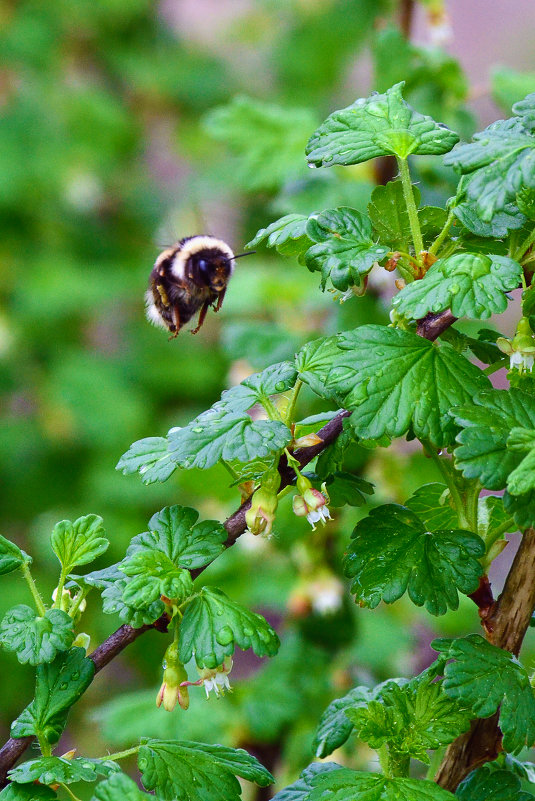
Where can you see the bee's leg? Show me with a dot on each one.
(220, 298)
(204, 308)
(176, 328)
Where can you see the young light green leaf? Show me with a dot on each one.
(58, 686)
(287, 235)
(36, 639)
(300, 790)
(396, 379)
(500, 161)
(470, 284)
(119, 787)
(175, 532)
(21, 792)
(389, 216)
(153, 574)
(411, 719)
(314, 362)
(11, 556)
(391, 551)
(150, 458)
(345, 251)
(113, 584)
(488, 784)
(80, 542)
(485, 425)
(380, 125)
(484, 677)
(50, 770)
(348, 785)
(433, 504)
(188, 771)
(213, 625)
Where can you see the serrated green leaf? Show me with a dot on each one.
(58, 686)
(500, 162)
(20, 792)
(287, 235)
(347, 785)
(346, 488)
(432, 220)
(470, 284)
(521, 507)
(345, 251)
(314, 362)
(36, 639)
(504, 221)
(119, 787)
(391, 552)
(11, 556)
(49, 770)
(150, 458)
(188, 771)
(175, 532)
(80, 542)
(153, 574)
(388, 213)
(488, 784)
(380, 125)
(213, 625)
(300, 790)
(485, 424)
(112, 582)
(274, 379)
(522, 479)
(411, 719)
(484, 678)
(433, 504)
(395, 379)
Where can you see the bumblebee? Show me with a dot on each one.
(190, 276)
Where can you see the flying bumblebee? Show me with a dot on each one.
(190, 276)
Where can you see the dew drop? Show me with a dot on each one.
(280, 386)
(454, 289)
(75, 676)
(198, 430)
(225, 636)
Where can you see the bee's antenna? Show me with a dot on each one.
(239, 256)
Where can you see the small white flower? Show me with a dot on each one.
(319, 515)
(521, 361)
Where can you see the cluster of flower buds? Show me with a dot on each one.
(260, 516)
(174, 686)
(310, 502)
(521, 349)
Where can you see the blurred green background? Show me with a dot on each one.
(125, 126)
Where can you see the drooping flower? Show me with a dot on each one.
(521, 349)
(311, 503)
(216, 679)
(261, 514)
(174, 686)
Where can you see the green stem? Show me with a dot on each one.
(68, 791)
(526, 244)
(393, 764)
(44, 745)
(271, 409)
(59, 591)
(435, 247)
(123, 754)
(492, 368)
(292, 462)
(41, 608)
(293, 400)
(412, 211)
(230, 469)
(455, 494)
(434, 764)
(471, 495)
(77, 600)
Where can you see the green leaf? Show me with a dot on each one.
(345, 251)
(36, 639)
(433, 504)
(80, 542)
(380, 125)
(11, 556)
(396, 379)
(274, 379)
(348, 785)
(213, 625)
(508, 219)
(113, 584)
(488, 784)
(188, 771)
(314, 362)
(119, 787)
(288, 235)
(335, 727)
(346, 488)
(500, 161)
(522, 507)
(58, 686)
(150, 458)
(391, 551)
(389, 216)
(268, 140)
(522, 479)
(485, 424)
(300, 790)
(49, 770)
(484, 678)
(411, 719)
(153, 574)
(470, 284)
(508, 86)
(20, 792)
(175, 532)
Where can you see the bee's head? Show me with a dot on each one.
(211, 268)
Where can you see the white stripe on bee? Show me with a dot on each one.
(192, 246)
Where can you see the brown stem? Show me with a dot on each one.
(235, 525)
(433, 325)
(506, 626)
